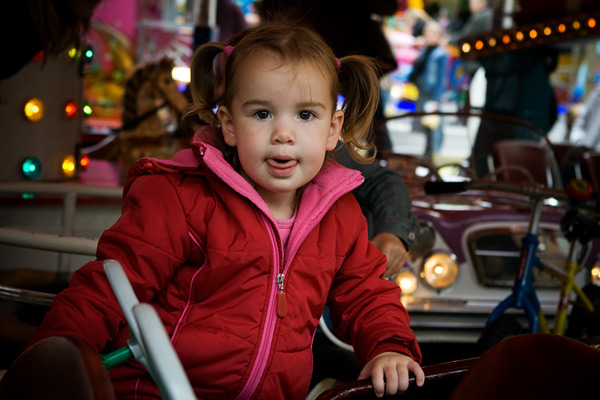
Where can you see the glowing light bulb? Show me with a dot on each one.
(69, 166)
(89, 54)
(84, 161)
(31, 168)
(71, 110)
(87, 110)
(72, 52)
(34, 109)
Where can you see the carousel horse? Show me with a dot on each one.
(152, 104)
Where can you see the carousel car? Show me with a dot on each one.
(468, 250)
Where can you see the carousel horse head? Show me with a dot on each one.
(150, 90)
(152, 105)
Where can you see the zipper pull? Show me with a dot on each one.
(281, 300)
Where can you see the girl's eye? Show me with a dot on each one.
(262, 114)
(305, 115)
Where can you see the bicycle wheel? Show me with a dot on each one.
(502, 328)
(583, 323)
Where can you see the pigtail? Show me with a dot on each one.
(360, 87)
(203, 85)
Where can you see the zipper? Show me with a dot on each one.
(281, 300)
(277, 303)
(270, 322)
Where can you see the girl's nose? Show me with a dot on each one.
(283, 133)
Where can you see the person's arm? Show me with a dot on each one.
(385, 201)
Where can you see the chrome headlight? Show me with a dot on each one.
(424, 241)
(440, 270)
(407, 280)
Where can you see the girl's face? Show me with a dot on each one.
(282, 122)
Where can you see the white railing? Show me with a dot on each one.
(47, 241)
(69, 191)
(64, 243)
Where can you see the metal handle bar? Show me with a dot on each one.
(534, 191)
(149, 342)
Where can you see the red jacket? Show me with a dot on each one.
(199, 244)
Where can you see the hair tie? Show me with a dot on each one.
(227, 50)
(338, 63)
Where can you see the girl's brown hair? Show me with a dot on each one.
(214, 81)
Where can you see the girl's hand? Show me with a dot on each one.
(389, 373)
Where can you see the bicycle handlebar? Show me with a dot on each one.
(535, 191)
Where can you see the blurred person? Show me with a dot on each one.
(480, 20)
(230, 20)
(429, 75)
(585, 130)
(517, 84)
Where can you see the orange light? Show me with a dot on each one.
(71, 110)
(562, 28)
(576, 25)
(592, 23)
(519, 36)
(479, 45)
(533, 33)
(547, 31)
(492, 42)
(84, 161)
(506, 39)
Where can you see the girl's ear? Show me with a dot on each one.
(224, 116)
(335, 130)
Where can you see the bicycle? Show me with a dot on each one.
(578, 228)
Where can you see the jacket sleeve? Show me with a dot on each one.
(150, 240)
(383, 198)
(365, 309)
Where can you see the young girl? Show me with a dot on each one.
(240, 241)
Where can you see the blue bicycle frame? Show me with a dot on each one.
(523, 294)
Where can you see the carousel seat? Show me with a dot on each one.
(525, 154)
(524, 367)
(59, 367)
